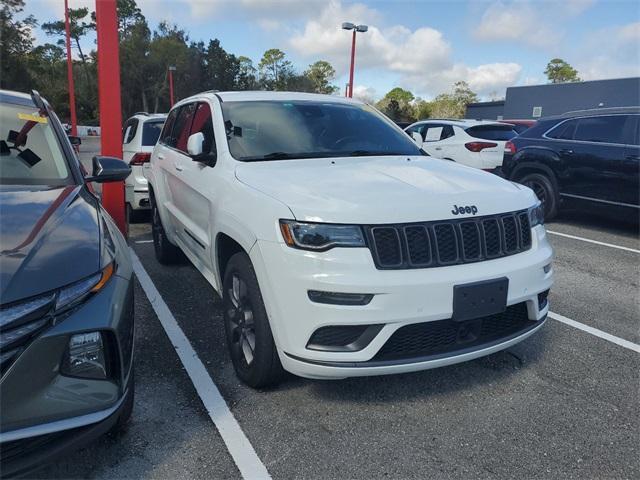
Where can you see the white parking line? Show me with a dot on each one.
(239, 447)
(594, 331)
(144, 241)
(588, 240)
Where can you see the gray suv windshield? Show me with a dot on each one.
(29, 151)
(277, 130)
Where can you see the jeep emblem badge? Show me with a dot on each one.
(462, 210)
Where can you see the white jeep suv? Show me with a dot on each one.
(340, 248)
(475, 143)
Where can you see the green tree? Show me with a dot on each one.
(15, 44)
(559, 71)
(422, 109)
(78, 28)
(274, 69)
(321, 73)
(397, 105)
(247, 74)
(463, 94)
(222, 69)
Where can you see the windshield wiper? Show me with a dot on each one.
(270, 156)
(371, 153)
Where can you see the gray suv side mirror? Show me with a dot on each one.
(108, 169)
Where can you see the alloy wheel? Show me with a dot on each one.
(240, 317)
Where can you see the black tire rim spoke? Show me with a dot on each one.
(240, 321)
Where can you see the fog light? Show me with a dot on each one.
(85, 357)
(542, 299)
(338, 298)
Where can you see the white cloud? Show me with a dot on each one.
(610, 53)
(516, 22)
(421, 58)
(364, 93)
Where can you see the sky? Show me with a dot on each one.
(421, 45)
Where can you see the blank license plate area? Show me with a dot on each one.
(480, 299)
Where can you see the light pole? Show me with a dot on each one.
(72, 96)
(355, 28)
(172, 69)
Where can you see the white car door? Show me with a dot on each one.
(197, 187)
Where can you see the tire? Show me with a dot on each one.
(166, 252)
(249, 339)
(122, 423)
(546, 191)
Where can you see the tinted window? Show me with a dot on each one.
(203, 122)
(167, 131)
(151, 131)
(447, 131)
(492, 132)
(130, 129)
(183, 126)
(607, 129)
(272, 130)
(30, 153)
(564, 131)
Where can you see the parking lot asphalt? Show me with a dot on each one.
(562, 404)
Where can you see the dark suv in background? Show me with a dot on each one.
(591, 157)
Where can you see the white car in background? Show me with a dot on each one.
(476, 143)
(140, 134)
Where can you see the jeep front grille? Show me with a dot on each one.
(450, 242)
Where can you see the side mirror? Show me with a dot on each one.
(75, 141)
(417, 138)
(108, 169)
(194, 144)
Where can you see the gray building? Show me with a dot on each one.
(537, 101)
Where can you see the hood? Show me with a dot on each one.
(49, 237)
(375, 190)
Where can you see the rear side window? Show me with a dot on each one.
(151, 132)
(165, 136)
(130, 129)
(203, 122)
(605, 129)
(492, 132)
(564, 131)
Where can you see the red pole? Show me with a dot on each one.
(170, 87)
(353, 61)
(109, 103)
(72, 96)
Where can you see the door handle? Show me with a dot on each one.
(178, 167)
(438, 148)
(566, 152)
(160, 156)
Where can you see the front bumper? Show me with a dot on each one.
(37, 403)
(401, 297)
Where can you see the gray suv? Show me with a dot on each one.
(66, 293)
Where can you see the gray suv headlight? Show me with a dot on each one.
(320, 236)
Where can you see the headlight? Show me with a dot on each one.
(536, 215)
(75, 292)
(320, 236)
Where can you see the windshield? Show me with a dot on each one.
(151, 131)
(29, 151)
(277, 130)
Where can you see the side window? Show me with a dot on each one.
(447, 132)
(605, 129)
(203, 122)
(631, 130)
(564, 131)
(183, 126)
(412, 130)
(130, 129)
(165, 136)
(432, 133)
